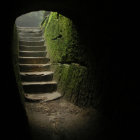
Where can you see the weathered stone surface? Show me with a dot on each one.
(30, 34)
(45, 97)
(31, 38)
(32, 48)
(39, 87)
(36, 76)
(32, 53)
(29, 30)
(15, 51)
(33, 60)
(32, 43)
(75, 82)
(34, 67)
(19, 27)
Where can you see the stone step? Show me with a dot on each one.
(32, 48)
(29, 31)
(21, 34)
(31, 38)
(32, 43)
(33, 30)
(32, 53)
(34, 67)
(21, 27)
(33, 60)
(36, 76)
(42, 97)
(39, 87)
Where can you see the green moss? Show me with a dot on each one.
(75, 83)
(62, 40)
(66, 53)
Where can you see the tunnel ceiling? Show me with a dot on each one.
(64, 7)
(69, 8)
(82, 12)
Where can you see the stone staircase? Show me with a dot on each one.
(36, 77)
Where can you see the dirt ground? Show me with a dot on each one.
(61, 120)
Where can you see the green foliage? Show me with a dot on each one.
(62, 40)
(66, 53)
(75, 82)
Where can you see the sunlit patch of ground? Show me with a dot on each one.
(61, 120)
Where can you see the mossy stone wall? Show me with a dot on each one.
(69, 60)
(76, 83)
(62, 40)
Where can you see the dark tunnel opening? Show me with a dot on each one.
(69, 67)
(99, 28)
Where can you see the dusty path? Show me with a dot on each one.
(60, 120)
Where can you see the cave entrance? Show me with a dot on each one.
(49, 61)
(52, 58)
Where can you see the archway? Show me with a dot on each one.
(89, 36)
(70, 71)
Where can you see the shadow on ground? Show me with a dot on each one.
(61, 120)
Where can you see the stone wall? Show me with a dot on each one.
(15, 50)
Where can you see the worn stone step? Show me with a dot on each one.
(32, 43)
(24, 31)
(25, 34)
(31, 38)
(21, 27)
(32, 53)
(29, 31)
(39, 87)
(36, 76)
(32, 48)
(45, 97)
(32, 30)
(34, 67)
(33, 60)
(28, 28)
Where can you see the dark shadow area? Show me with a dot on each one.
(100, 27)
